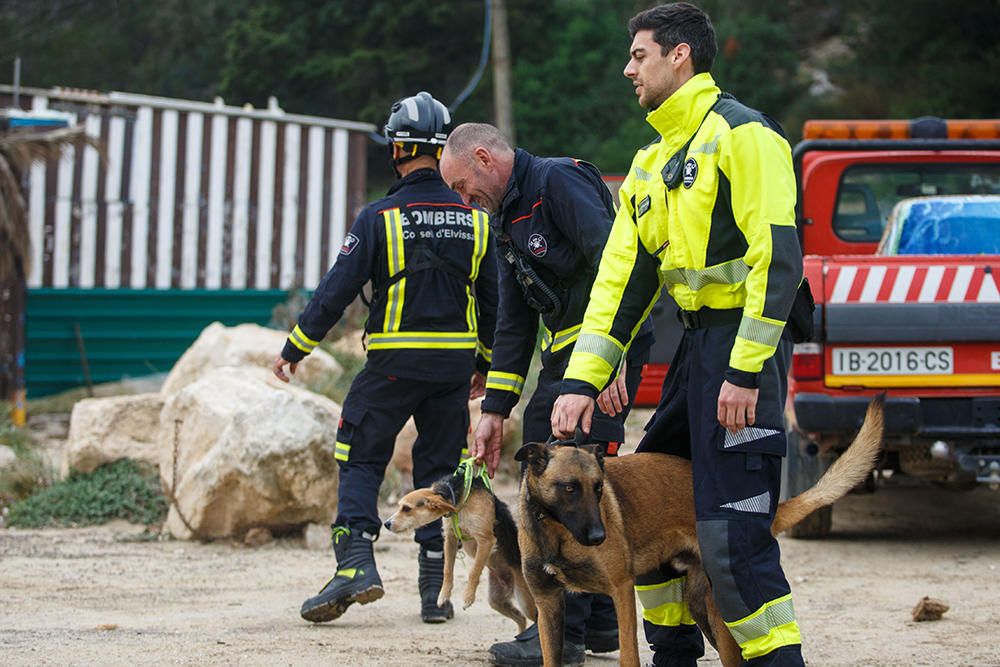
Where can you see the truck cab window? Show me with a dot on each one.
(867, 193)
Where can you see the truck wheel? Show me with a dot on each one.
(800, 472)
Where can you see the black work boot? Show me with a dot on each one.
(431, 578)
(526, 651)
(602, 641)
(356, 579)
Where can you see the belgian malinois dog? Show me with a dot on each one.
(589, 525)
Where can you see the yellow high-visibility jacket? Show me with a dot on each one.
(724, 237)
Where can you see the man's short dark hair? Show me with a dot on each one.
(676, 23)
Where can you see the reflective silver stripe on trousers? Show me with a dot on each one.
(670, 592)
(761, 624)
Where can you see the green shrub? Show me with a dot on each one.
(119, 490)
(29, 471)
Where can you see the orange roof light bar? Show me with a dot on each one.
(901, 129)
(856, 129)
(973, 129)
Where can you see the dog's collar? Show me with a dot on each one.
(540, 515)
(453, 501)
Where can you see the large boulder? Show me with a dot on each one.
(103, 430)
(248, 451)
(245, 345)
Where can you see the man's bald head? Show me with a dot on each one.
(468, 136)
(477, 162)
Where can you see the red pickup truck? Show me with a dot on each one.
(924, 329)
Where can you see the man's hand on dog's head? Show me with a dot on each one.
(570, 411)
(488, 441)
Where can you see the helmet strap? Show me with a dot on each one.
(413, 154)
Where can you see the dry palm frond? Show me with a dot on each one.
(18, 150)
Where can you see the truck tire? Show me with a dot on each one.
(800, 472)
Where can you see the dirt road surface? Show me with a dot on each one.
(99, 596)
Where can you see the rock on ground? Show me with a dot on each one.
(103, 430)
(245, 345)
(7, 456)
(250, 452)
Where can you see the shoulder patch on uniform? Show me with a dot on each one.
(643, 206)
(350, 243)
(690, 172)
(538, 245)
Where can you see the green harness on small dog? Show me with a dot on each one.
(468, 470)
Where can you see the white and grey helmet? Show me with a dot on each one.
(420, 120)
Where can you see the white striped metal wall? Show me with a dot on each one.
(192, 195)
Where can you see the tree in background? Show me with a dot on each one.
(793, 59)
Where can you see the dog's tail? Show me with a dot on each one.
(847, 471)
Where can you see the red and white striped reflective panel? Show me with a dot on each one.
(966, 283)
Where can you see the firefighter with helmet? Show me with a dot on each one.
(430, 261)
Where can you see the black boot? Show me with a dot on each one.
(431, 578)
(356, 579)
(526, 651)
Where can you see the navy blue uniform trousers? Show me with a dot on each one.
(737, 480)
(375, 410)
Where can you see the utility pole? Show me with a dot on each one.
(503, 109)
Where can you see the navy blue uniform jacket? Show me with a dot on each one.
(557, 212)
(430, 261)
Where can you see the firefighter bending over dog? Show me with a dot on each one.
(708, 209)
(430, 260)
(551, 219)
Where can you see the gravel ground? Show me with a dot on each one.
(104, 596)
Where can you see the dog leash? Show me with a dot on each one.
(579, 438)
(469, 471)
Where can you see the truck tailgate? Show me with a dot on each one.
(911, 321)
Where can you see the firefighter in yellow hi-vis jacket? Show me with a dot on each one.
(708, 210)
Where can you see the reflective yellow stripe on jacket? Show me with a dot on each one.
(441, 340)
(561, 339)
(302, 341)
(480, 231)
(505, 381)
(397, 262)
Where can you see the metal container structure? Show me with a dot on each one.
(200, 212)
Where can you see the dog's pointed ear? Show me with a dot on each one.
(597, 451)
(438, 502)
(535, 453)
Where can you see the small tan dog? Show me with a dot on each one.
(482, 524)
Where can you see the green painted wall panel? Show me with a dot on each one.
(126, 333)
